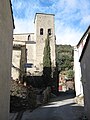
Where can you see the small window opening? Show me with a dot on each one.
(41, 31)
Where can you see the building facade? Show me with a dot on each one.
(85, 70)
(6, 36)
(77, 77)
(35, 42)
(77, 68)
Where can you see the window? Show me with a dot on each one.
(28, 37)
(49, 31)
(41, 31)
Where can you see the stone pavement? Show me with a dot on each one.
(61, 108)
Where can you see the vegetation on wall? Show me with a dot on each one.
(47, 62)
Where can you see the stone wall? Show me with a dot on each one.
(16, 64)
(6, 37)
(22, 97)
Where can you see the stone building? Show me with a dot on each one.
(6, 36)
(34, 43)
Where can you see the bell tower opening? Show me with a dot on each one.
(41, 31)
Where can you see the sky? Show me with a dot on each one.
(72, 17)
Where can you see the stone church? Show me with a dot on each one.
(28, 48)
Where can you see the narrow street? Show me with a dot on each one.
(59, 108)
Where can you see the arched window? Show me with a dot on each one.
(49, 31)
(41, 31)
(28, 37)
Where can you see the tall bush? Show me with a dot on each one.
(47, 62)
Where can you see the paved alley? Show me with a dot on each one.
(60, 108)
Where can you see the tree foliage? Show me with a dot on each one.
(64, 57)
(47, 62)
(70, 74)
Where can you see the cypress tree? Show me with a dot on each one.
(47, 62)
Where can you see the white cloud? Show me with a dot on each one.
(24, 26)
(85, 20)
(72, 17)
(69, 38)
(67, 35)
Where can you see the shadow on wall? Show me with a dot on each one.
(39, 81)
(34, 81)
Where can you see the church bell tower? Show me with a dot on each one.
(44, 25)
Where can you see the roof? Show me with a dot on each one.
(30, 42)
(23, 33)
(12, 13)
(87, 31)
(17, 46)
(85, 46)
(42, 14)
